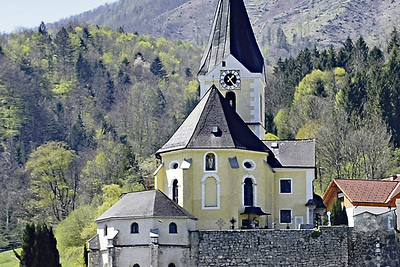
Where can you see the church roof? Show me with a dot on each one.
(232, 33)
(292, 153)
(214, 124)
(146, 204)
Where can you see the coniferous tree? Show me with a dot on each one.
(157, 68)
(339, 215)
(394, 41)
(39, 247)
(28, 242)
(85, 255)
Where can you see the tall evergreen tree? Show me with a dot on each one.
(157, 68)
(39, 247)
(28, 243)
(339, 215)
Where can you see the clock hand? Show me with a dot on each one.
(230, 78)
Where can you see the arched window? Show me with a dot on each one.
(210, 164)
(248, 194)
(136, 265)
(105, 229)
(134, 228)
(171, 265)
(173, 229)
(231, 98)
(175, 191)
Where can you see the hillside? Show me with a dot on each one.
(305, 22)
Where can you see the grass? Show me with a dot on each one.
(69, 258)
(8, 259)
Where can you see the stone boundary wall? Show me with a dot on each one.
(328, 246)
(374, 248)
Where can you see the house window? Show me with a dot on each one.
(134, 228)
(173, 229)
(210, 162)
(175, 191)
(285, 216)
(231, 98)
(136, 265)
(171, 265)
(248, 194)
(285, 186)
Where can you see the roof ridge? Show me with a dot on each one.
(181, 209)
(393, 191)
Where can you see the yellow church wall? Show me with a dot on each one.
(296, 200)
(230, 189)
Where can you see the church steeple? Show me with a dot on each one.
(233, 63)
(232, 34)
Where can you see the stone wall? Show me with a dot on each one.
(330, 246)
(374, 248)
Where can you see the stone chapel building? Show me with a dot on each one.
(217, 171)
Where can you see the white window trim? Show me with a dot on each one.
(171, 186)
(291, 216)
(298, 218)
(253, 164)
(216, 162)
(203, 192)
(291, 186)
(172, 163)
(254, 190)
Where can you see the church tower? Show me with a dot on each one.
(233, 62)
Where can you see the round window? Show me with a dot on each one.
(249, 164)
(174, 165)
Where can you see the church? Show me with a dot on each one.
(217, 172)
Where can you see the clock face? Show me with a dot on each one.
(230, 79)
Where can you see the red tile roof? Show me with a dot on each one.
(368, 191)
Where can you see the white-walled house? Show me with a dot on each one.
(142, 229)
(370, 204)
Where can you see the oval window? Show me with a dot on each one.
(249, 164)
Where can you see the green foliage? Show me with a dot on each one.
(348, 101)
(39, 247)
(271, 137)
(339, 215)
(68, 231)
(90, 89)
(53, 183)
(315, 233)
(281, 125)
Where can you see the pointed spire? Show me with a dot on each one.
(232, 33)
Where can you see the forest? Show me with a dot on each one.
(84, 108)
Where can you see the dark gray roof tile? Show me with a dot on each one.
(232, 33)
(292, 153)
(144, 204)
(214, 111)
